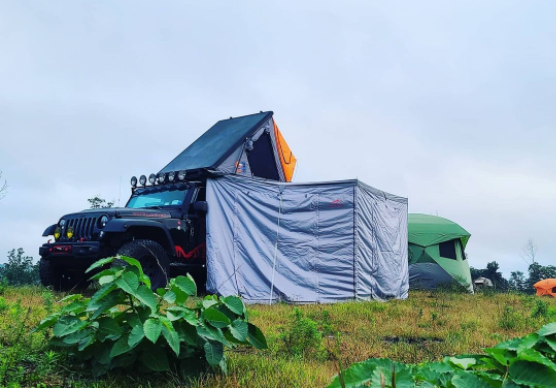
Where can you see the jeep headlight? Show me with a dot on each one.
(62, 222)
(102, 222)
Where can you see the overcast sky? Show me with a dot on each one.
(450, 104)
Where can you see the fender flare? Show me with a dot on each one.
(123, 225)
(49, 231)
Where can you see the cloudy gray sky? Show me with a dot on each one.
(448, 103)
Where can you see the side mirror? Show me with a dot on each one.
(200, 206)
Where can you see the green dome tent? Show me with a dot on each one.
(436, 252)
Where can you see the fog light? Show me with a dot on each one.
(171, 176)
(152, 179)
(57, 234)
(161, 178)
(134, 181)
(69, 233)
(142, 180)
(181, 175)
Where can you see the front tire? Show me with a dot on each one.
(59, 279)
(153, 259)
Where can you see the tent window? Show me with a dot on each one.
(447, 250)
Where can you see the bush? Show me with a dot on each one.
(540, 309)
(125, 325)
(509, 318)
(302, 339)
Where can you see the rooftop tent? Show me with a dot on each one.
(250, 145)
(437, 252)
(308, 243)
(546, 287)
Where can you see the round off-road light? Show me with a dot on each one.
(57, 234)
(143, 180)
(69, 233)
(161, 178)
(62, 222)
(152, 179)
(181, 175)
(171, 176)
(133, 181)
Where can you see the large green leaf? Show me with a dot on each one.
(100, 263)
(100, 294)
(528, 342)
(214, 352)
(155, 358)
(467, 380)
(256, 337)
(548, 329)
(86, 341)
(128, 282)
(147, 297)
(383, 372)
(136, 335)
(76, 337)
(234, 304)
(463, 363)
(169, 297)
(532, 374)
(113, 299)
(120, 347)
(216, 318)
(172, 338)
(67, 325)
(188, 333)
(108, 329)
(186, 284)
(359, 373)
(551, 341)
(141, 275)
(76, 307)
(152, 329)
(239, 330)
(211, 333)
(47, 322)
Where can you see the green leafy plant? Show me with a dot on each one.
(522, 362)
(125, 325)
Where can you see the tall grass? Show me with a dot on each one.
(303, 340)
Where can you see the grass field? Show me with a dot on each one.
(305, 342)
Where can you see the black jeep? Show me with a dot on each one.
(162, 226)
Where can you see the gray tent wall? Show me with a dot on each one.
(307, 243)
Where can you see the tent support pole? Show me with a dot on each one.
(275, 249)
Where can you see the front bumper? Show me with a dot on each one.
(86, 251)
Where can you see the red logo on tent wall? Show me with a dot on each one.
(336, 203)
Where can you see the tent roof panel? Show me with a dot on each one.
(216, 144)
(426, 230)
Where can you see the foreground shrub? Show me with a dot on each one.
(303, 340)
(125, 325)
(521, 362)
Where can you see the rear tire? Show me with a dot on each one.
(60, 280)
(153, 259)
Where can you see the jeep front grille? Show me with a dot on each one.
(82, 227)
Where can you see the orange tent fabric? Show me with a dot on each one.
(287, 158)
(546, 287)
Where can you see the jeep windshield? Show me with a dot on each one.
(156, 198)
